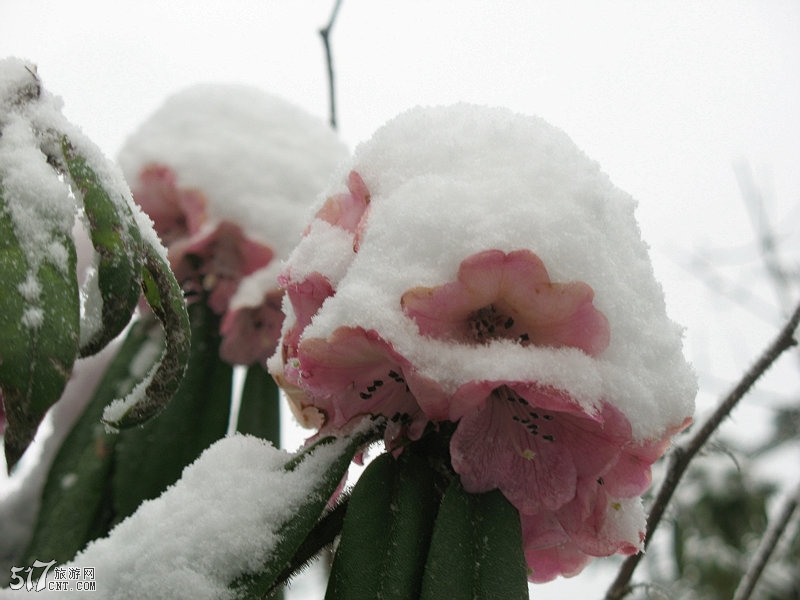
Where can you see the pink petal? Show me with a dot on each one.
(355, 372)
(306, 298)
(250, 334)
(534, 444)
(612, 525)
(346, 210)
(510, 296)
(175, 213)
(545, 564)
(218, 260)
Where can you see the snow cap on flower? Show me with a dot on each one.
(446, 184)
(473, 265)
(227, 173)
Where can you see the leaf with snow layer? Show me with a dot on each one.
(117, 241)
(150, 458)
(39, 321)
(386, 531)
(165, 297)
(292, 533)
(476, 551)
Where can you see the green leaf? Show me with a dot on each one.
(292, 534)
(259, 412)
(38, 333)
(165, 298)
(476, 551)
(117, 241)
(386, 531)
(150, 458)
(76, 499)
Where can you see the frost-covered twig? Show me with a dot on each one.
(682, 455)
(748, 582)
(325, 32)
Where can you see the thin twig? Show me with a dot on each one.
(776, 528)
(681, 456)
(754, 200)
(325, 32)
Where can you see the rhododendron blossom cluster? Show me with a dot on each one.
(217, 170)
(472, 266)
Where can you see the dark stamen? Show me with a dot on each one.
(549, 438)
(509, 323)
(365, 396)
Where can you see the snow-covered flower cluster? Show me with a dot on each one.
(227, 172)
(473, 266)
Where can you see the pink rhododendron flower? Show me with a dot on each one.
(176, 213)
(509, 296)
(218, 261)
(306, 298)
(536, 445)
(251, 333)
(347, 209)
(354, 373)
(227, 173)
(482, 279)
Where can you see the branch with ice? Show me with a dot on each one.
(50, 174)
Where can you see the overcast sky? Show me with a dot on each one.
(665, 95)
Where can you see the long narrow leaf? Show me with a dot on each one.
(76, 500)
(476, 551)
(39, 316)
(259, 412)
(386, 532)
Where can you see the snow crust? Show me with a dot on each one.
(449, 182)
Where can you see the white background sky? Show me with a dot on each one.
(665, 95)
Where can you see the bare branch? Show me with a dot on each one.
(681, 456)
(776, 528)
(325, 32)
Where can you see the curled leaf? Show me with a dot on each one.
(151, 395)
(117, 241)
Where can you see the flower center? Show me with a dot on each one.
(490, 323)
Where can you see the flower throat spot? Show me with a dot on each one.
(526, 419)
(377, 383)
(488, 323)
